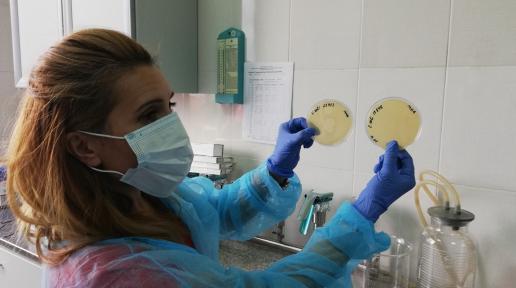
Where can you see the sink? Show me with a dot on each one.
(250, 255)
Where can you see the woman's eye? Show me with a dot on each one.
(150, 117)
(172, 105)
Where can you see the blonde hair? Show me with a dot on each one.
(61, 205)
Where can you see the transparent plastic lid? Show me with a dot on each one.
(332, 120)
(393, 119)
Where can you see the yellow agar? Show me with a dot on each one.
(393, 119)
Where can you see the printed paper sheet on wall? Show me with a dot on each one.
(267, 100)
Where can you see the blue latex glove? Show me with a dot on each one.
(291, 136)
(394, 177)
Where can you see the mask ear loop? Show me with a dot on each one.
(102, 135)
(105, 136)
(106, 171)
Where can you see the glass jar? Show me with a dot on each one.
(447, 253)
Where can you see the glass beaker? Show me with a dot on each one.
(388, 269)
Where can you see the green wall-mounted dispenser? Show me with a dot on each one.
(230, 67)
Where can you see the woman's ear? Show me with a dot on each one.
(84, 148)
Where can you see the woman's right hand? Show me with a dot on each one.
(394, 176)
(291, 136)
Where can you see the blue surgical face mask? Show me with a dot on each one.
(164, 156)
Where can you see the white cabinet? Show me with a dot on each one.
(112, 14)
(36, 25)
(19, 272)
(167, 28)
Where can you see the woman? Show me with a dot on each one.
(97, 162)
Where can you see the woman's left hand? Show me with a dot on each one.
(292, 135)
(394, 177)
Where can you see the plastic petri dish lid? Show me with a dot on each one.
(331, 119)
(393, 119)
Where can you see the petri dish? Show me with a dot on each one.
(331, 119)
(393, 119)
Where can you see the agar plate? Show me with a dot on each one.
(393, 119)
(332, 120)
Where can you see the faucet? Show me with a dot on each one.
(279, 231)
(313, 210)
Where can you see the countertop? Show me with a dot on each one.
(249, 255)
(10, 239)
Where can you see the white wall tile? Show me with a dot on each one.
(326, 34)
(405, 33)
(243, 165)
(494, 230)
(206, 121)
(241, 147)
(320, 179)
(478, 135)
(483, 33)
(421, 86)
(311, 86)
(6, 52)
(267, 27)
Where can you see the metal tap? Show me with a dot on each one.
(314, 210)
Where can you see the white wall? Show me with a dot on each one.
(455, 59)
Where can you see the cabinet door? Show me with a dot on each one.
(36, 25)
(16, 271)
(168, 30)
(112, 14)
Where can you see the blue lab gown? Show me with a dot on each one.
(241, 210)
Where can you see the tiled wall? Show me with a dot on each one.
(455, 59)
